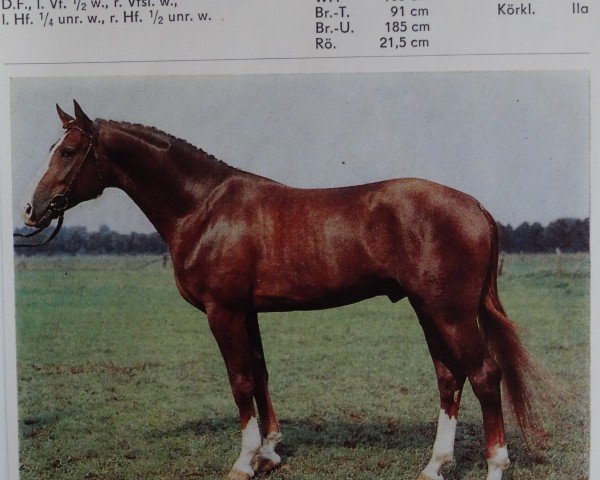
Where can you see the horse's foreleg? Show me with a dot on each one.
(451, 380)
(268, 459)
(230, 330)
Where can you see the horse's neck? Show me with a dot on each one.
(168, 184)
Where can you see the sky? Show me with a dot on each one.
(518, 142)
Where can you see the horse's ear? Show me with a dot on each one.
(65, 118)
(82, 119)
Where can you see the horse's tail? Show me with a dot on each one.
(518, 370)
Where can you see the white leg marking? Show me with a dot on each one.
(250, 446)
(267, 451)
(443, 448)
(497, 463)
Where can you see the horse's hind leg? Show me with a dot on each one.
(466, 343)
(268, 459)
(450, 379)
(485, 376)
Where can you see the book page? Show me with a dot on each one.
(358, 175)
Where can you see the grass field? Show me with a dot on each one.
(120, 379)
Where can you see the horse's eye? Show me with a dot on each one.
(67, 152)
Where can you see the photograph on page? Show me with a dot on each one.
(407, 254)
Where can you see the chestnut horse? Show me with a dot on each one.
(243, 244)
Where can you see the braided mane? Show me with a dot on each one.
(155, 136)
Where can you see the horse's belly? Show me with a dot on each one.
(313, 295)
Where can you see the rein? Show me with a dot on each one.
(60, 202)
(48, 240)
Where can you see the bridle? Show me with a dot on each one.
(60, 202)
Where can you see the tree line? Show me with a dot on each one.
(78, 241)
(566, 234)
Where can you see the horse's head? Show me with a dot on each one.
(73, 174)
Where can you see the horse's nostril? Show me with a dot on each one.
(28, 209)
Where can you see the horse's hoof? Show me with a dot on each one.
(424, 476)
(264, 465)
(235, 474)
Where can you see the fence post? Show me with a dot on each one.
(559, 262)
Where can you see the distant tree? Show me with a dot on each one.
(520, 236)
(569, 234)
(583, 235)
(536, 241)
(529, 238)
(505, 236)
(117, 243)
(96, 244)
(75, 240)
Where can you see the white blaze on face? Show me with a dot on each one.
(56, 145)
(443, 448)
(497, 462)
(41, 171)
(250, 446)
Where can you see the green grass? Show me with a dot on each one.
(120, 379)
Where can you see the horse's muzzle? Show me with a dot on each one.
(30, 220)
